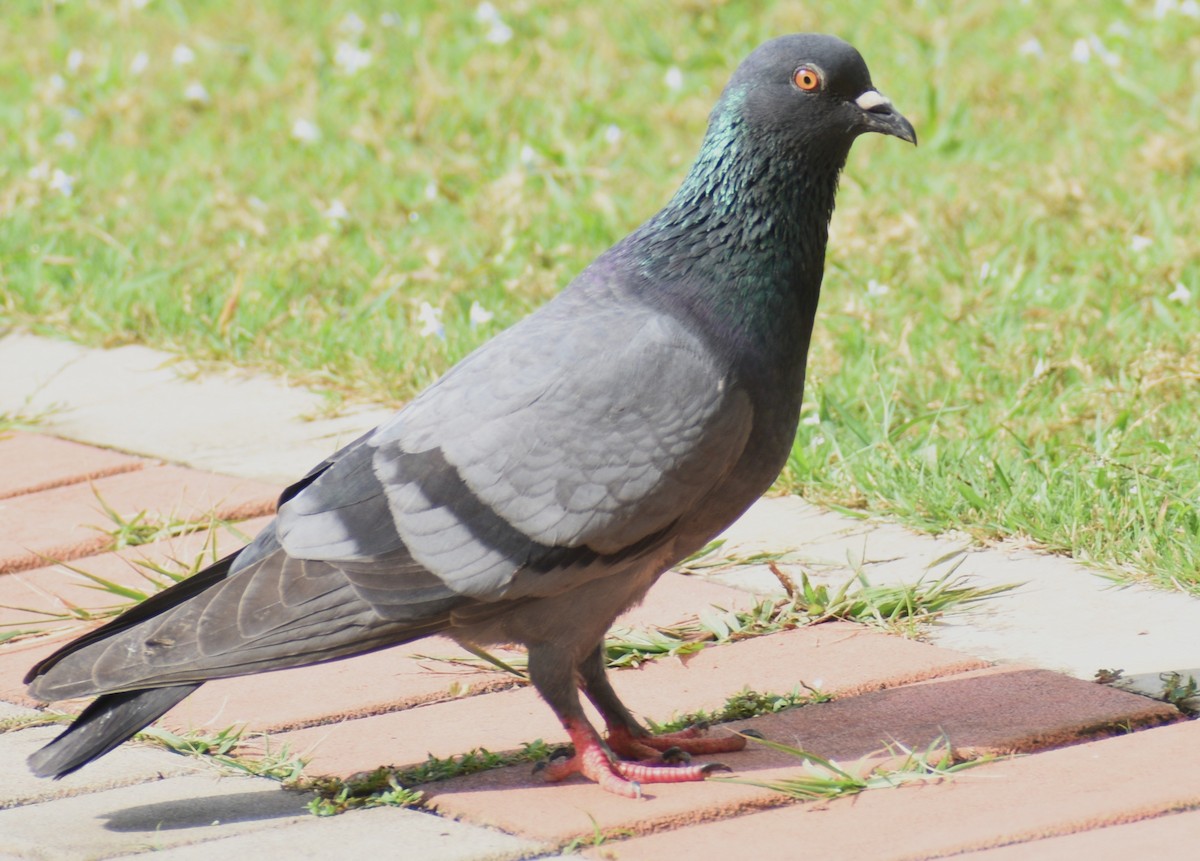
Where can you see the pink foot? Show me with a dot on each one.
(690, 742)
(593, 761)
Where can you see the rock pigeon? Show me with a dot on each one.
(545, 482)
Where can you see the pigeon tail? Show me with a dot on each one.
(108, 721)
(155, 605)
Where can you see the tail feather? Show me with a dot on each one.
(108, 721)
(156, 604)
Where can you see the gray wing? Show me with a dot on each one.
(561, 451)
(568, 437)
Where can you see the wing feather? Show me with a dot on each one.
(529, 446)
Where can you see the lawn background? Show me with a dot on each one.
(1009, 335)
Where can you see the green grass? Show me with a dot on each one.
(743, 705)
(231, 751)
(388, 786)
(907, 609)
(146, 527)
(1031, 370)
(823, 779)
(132, 531)
(378, 788)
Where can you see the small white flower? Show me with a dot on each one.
(1164, 7)
(1191, 8)
(305, 131)
(811, 419)
(57, 83)
(498, 33)
(1081, 52)
(818, 440)
(430, 319)
(139, 63)
(1138, 244)
(1107, 57)
(479, 315)
(390, 19)
(352, 24)
(39, 171)
(431, 190)
(62, 182)
(196, 93)
(874, 288)
(612, 134)
(66, 140)
(183, 55)
(527, 156)
(74, 60)
(350, 58)
(985, 270)
(414, 217)
(1180, 293)
(673, 79)
(336, 212)
(1031, 47)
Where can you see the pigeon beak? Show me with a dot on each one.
(880, 116)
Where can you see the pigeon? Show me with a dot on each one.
(543, 484)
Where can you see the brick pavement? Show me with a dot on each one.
(1096, 773)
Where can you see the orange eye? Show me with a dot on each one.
(806, 78)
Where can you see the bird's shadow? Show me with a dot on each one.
(206, 811)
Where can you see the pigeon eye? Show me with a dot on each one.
(807, 78)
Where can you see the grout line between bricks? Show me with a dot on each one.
(119, 469)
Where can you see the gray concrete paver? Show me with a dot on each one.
(128, 764)
(378, 833)
(148, 816)
(139, 400)
(1064, 617)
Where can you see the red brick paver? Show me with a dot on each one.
(68, 522)
(33, 462)
(1170, 835)
(842, 657)
(1120, 779)
(28, 598)
(337, 692)
(1040, 709)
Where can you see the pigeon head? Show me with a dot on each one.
(780, 133)
(741, 244)
(807, 93)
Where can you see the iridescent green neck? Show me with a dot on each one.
(742, 243)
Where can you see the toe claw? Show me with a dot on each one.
(753, 733)
(713, 767)
(675, 756)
